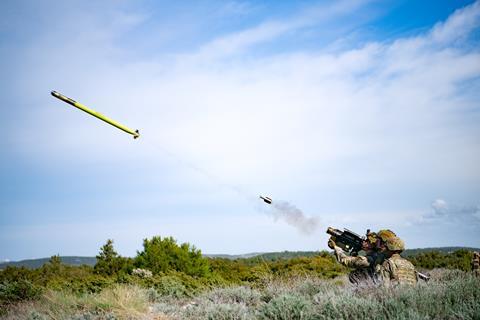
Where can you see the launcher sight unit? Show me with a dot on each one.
(348, 240)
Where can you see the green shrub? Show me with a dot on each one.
(307, 286)
(15, 291)
(94, 316)
(34, 315)
(215, 311)
(168, 307)
(110, 263)
(232, 295)
(459, 259)
(164, 255)
(286, 307)
(171, 286)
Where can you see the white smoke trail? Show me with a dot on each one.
(294, 217)
(210, 176)
(280, 210)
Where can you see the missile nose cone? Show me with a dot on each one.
(60, 96)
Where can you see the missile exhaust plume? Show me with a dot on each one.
(291, 215)
(294, 217)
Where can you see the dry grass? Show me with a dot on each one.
(118, 302)
(449, 295)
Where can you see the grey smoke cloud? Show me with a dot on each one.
(441, 209)
(294, 216)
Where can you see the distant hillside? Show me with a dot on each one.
(234, 256)
(414, 252)
(274, 256)
(37, 263)
(267, 256)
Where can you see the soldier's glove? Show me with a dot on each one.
(331, 243)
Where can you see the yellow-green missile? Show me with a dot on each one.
(96, 114)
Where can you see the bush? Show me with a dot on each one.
(287, 307)
(241, 295)
(15, 291)
(34, 315)
(459, 259)
(222, 311)
(94, 316)
(254, 271)
(109, 262)
(171, 286)
(142, 273)
(163, 255)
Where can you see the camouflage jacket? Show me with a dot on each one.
(367, 268)
(371, 260)
(398, 271)
(476, 261)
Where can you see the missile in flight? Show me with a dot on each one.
(96, 114)
(266, 199)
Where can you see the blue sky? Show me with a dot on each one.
(356, 114)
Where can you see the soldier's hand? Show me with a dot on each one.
(331, 243)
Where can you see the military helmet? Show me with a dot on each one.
(372, 237)
(386, 234)
(395, 244)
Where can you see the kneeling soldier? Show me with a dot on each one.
(395, 270)
(476, 264)
(366, 267)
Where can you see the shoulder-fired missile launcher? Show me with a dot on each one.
(347, 240)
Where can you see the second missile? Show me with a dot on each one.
(266, 199)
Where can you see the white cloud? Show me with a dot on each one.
(440, 207)
(458, 25)
(238, 42)
(295, 114)
(453, 212)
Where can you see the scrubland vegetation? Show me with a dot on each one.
(170, 281)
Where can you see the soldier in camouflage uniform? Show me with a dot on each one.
(476, 264)
(366, 267)
(395, 270)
